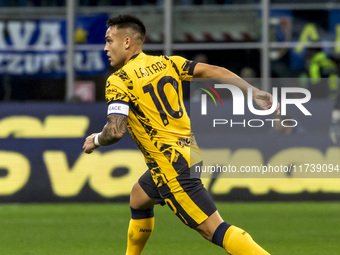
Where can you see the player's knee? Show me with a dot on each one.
(208, 228)
(205, 231)
(205, 234)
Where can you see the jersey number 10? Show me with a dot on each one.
(160, 89)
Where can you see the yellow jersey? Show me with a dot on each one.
(148, 89)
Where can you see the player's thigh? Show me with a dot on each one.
(139, 199)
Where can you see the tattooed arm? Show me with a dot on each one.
(113, 131)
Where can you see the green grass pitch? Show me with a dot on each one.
(305, 228)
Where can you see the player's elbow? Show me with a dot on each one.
(111, 135)
(114, 138)
(119, 135)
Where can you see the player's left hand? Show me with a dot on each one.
(265, 100)
(89, 145)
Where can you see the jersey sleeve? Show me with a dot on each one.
(185, 67)
(116, 90)
(116, 96)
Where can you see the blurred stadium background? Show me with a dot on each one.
(52, 75)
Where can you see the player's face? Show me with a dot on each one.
(115, 47)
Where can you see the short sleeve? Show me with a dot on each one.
(185, 67)
(116, 90)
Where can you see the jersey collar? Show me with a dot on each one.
(136, 55)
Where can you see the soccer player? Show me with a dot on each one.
(145, 96)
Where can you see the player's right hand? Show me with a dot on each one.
(89, 145)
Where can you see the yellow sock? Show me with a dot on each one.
(238, 242)
(138, 234)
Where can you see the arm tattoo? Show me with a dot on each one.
(119, 123)
(114, 129)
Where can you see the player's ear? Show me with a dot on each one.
(127, 43)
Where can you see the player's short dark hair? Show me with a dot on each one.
(128, 21)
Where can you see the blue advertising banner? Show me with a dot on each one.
(38, 47)
(41, 158)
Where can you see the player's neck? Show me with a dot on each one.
(132, 54)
